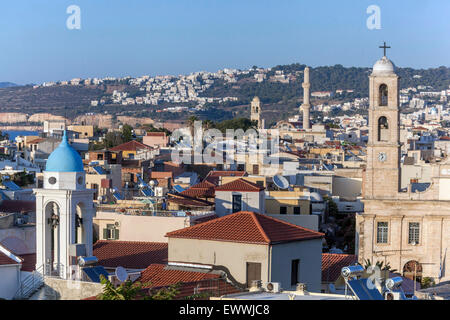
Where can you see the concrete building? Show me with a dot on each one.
(249, 246)
(239, 195)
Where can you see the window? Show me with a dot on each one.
(383, 95)
(255, 169)
(382, 232)
(294, 271)
(297, 210)
(383, 129)
(414, 233)
(237, 203)
(283, 210)
(110, 232)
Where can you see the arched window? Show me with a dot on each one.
(383, 95)
(383, 129)
(79, 230)
(52, 258)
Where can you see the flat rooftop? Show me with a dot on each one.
(284, 295)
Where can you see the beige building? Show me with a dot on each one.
(84, 131)
(134, 221)
(407, 228)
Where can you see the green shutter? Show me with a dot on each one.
(116, 234)
(105, 234)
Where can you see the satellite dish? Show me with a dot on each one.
(121, 274)
(281, 182)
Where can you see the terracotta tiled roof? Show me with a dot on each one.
(29, 262)
(332, 264)
(189, 202)
(246, 227)
(445, 138)
(159, 275)
(5, 260)
(130, 254)
(8, 257)
(161, 175)
(213, 176)
(132, 145)
(240, 185)
(17, 206)
(203, 189)
(155, 134)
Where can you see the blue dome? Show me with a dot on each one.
(64, 158)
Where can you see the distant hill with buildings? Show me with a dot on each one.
(279, 89)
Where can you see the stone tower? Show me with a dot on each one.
(256, 112)
(64, 211)
(306, 105)
(382, 177)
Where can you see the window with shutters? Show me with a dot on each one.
(283, 210)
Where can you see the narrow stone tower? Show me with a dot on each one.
(306, 106)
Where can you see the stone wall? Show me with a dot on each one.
(59, 289)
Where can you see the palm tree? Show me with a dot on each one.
(379, 264)
(190, 122)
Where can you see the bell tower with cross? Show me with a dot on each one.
(382, 176)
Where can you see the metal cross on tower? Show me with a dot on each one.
(385, 47)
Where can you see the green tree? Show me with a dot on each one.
(135, 291)
(127, 133)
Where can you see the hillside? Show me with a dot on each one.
(279, 99)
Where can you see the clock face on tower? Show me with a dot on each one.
(382, 157)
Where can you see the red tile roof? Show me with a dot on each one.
(17, 206)
(8, 257)
(189, 202)
(161, 175)
(159, 275)
(5, 260)
(332, 264)
(246, 227)
(213, 176)
(132, 145)
(130, 254)
(240, 185)
(203, 189)
(156, 134)
(28, 262)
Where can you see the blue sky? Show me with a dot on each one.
(137, 37)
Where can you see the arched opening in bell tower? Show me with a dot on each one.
(79, 228)
(383, 96)
(383, 129)
(52, 245)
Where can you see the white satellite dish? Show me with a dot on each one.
(281, 182)
(121, 274)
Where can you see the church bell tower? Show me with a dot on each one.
(64, 211)
(382, 177)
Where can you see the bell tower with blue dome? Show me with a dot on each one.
(64, 211)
